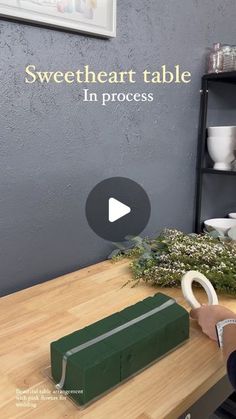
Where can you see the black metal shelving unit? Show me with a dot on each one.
(202, 169)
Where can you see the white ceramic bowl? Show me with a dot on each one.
(232, 215)
(220, 224)
(226, 131)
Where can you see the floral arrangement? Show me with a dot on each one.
(163, 261)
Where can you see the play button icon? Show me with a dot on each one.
(117, 210)
(117, 207)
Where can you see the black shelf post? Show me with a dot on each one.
(201, 151)
(227, 77)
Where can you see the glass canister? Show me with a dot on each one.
(215, 62)
(234, 57)
(228, 58)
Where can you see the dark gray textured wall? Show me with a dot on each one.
(54, 148)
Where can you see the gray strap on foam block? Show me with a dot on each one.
(112, 332)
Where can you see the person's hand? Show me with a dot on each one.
(208, 315)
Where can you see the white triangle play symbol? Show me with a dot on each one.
(117, 210)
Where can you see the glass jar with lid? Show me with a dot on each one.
(228, 58)
(215, 62)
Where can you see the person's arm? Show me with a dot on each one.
(229, 349)
(229, 339)
(208, 316)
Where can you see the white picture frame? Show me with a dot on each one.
(95, 17)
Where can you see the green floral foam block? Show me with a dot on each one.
(92, 360)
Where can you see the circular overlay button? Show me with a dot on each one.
(117, 207)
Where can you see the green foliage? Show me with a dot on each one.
(164, 260)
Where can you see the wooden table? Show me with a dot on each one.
(32, 318)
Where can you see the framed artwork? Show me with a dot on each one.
(90, 16)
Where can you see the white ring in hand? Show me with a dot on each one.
(186, 284)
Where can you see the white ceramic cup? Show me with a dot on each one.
(221, 150)
(232, 215)
(224, 131)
